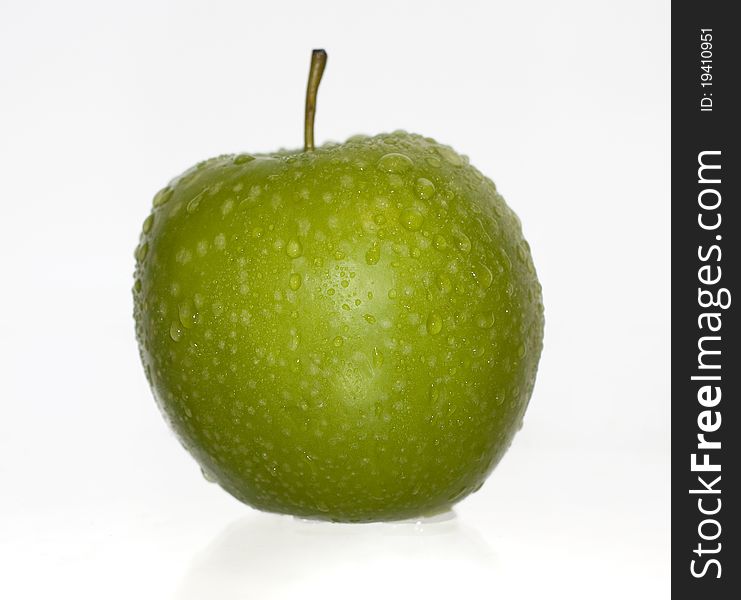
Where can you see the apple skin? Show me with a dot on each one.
(350, 333)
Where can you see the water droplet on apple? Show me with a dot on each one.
(434, 323)
(395, 162)
(162, 197)
(192, 206)
(187, 314)
(522, 351)
(138, 286)
(147, 225)
(294, 248)
(241, 159)
(462, 241)
(443, 283)
(425, 188)
(207, 476)
(338, 341)
(392, 294)
(482, 275)
(220, 241)
(439, 242)
(377, 357)
(506, 261)
(369, 318)
(411, 219)
(433, 161)
(434, 394)
(485, 320)
(450, 156)
(141, 251)
(175, 331)
(294, 281)
(373, 255)
(523, 250)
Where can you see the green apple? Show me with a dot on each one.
(349, 332)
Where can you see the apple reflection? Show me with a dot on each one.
(275, 556)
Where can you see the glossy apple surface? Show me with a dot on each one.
(350, 333)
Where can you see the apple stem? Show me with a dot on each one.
(318, 62)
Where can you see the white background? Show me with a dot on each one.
(564, 104)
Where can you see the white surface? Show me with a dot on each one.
(564, 104)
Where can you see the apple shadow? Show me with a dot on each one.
(274, 556)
